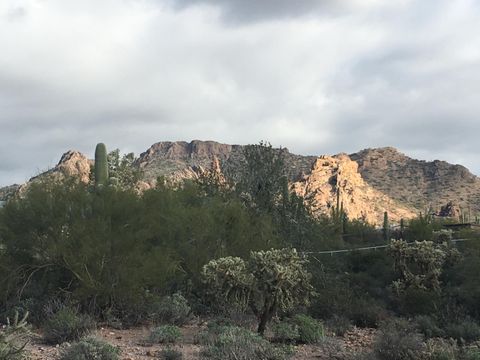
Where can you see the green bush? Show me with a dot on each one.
(90, 349)
(13, 338)
(172, 310)
(285, 332)
(441, 349)
(398, 340)
(310, 330)
(235, 343)
(165, 334)
(171, 354)
(465, 331)
(67, 325)
(428, 326)
(470, 354)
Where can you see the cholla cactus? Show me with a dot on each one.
(270, 281)
(420, 264)
(13, 338)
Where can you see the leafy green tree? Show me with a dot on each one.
(271, 281)
(263, 176)
(123, 169)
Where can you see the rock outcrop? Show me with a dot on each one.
(370, 182)
(421, 184)
(339, 174)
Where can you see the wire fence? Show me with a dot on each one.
(366, 248)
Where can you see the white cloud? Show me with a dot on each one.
(321, 78)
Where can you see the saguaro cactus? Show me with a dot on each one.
(101, 165)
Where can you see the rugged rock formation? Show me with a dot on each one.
(450, 210)
(383, 180)
(339, 174)
(418, 183)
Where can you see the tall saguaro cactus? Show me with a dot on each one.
(101, 165)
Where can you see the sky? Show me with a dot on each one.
(315, 76)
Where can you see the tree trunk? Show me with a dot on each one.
(263, 321)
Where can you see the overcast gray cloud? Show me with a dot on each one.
(315, 76)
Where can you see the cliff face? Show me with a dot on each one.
(332, 174)
(370, 182)
(418, 183)
(180, 160)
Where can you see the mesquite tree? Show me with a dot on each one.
(270, 281)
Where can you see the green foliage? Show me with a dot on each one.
(310, 330)
(399, 341)
(440, 349)
(420, 264)
(235, 343)
(263, 176)
(165, 334)
(428, 326)
(13, 338)
(170, 354)
(123, 170)
(67, 325)
(466, 331)
(172, 310)
(272, 280)
(90, 349)
(470, 354)
(101, 166)
(285, 332)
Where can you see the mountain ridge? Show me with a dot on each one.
(383, 179)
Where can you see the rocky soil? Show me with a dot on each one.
(131, 343)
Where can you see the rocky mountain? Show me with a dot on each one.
(369, 182)
(421, 184)
(332, 174)
(179, 160)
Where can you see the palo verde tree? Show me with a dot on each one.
(263, 176)
(270, 281)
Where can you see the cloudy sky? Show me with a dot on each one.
(316, 76)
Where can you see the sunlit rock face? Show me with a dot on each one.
(339, 174)
(369, 182)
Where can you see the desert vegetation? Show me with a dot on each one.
(240, 264)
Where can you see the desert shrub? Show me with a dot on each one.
(413, 301)
(165, 334)
(310, 330)
(398, 340)
(170, 354)
(67, 325)
(332, 348)
(235, 343)
(285, 332)
(470, 354)
(428, 326)
(338, 325)
(13, 338)
(464, 331)
(366, 312)
(441, 349)
(90, 349)
(214, 328)
(171, 310)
